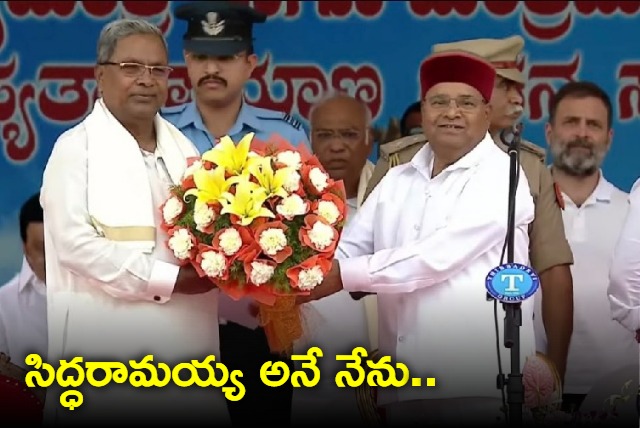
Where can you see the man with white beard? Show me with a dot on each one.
(579, 135)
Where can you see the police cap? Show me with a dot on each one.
(218, 28)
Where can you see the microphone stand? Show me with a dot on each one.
(513, 313)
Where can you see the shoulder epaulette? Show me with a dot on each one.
(291, 121)
(264, 113)
(173, 109)
(393, 147)
(528, 146)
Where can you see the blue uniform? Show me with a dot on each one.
(264, 123)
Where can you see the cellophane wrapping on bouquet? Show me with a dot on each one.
(259, 219)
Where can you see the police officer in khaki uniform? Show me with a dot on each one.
(550, 253)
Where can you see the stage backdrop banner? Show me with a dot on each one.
(370, 48)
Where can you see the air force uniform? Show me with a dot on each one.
(264, 123)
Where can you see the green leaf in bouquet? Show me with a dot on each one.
(236, 272)
(223, 221)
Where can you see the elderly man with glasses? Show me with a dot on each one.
(115, 291)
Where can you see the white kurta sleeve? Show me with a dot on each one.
(478, 224)
(624, 277)
(357, 236)
(121, 271)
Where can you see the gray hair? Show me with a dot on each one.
(333, 94)
(121, 28)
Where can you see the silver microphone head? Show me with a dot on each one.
(509, 135)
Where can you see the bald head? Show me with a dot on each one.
(340, 136)
(342, 101)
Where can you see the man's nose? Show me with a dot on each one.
(145, 78)
(212, 66)
(452, 111)
(336, 144)
(515, 96)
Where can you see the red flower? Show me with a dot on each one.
(248, 268)
(177, 207)
(281, 254)
(246, 241)
(336, 200)
(315, 261)
(308, 229)
(183, 244)
(208, 258)
(316, 180)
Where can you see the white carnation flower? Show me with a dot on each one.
(203, 215)
(309, 279)
(171, 210)
(230, 241)
(193, 168)
(272, 241)
(181, 244)
(319, 179)
(321, 235)
(328, 211)
(261, 272)
(292, 182)
(290, 159)
(213, 264)
(291, 206)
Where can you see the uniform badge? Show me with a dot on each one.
(559, 197)
(212, 26)
(291, 121)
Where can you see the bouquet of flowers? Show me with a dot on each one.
(259, 219)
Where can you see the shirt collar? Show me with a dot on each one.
(601, 194)
(191, 116)
(247, 117)
(423, 160)
(29, 279)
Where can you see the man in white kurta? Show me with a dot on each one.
(116, 293)
(580, 135)
(426, 239)
(23, 300)
(23, 316)
(341, 139)
(624, 275)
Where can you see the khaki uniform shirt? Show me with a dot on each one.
(548, 244)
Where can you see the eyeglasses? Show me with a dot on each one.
(134, 69)
(463, 102)
(347, 135)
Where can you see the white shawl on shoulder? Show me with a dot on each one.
(118, 191)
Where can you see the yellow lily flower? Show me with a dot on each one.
(234, 158)
(247, 203)
(210, 185)
(271, 181)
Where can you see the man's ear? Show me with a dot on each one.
(369, 140)
(98, 73)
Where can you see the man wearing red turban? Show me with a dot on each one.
(425, 240)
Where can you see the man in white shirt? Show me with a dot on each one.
(341, 138)
(624, 285)
(115, 291)
(23, 300)
(579, 135)
(425, 240)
